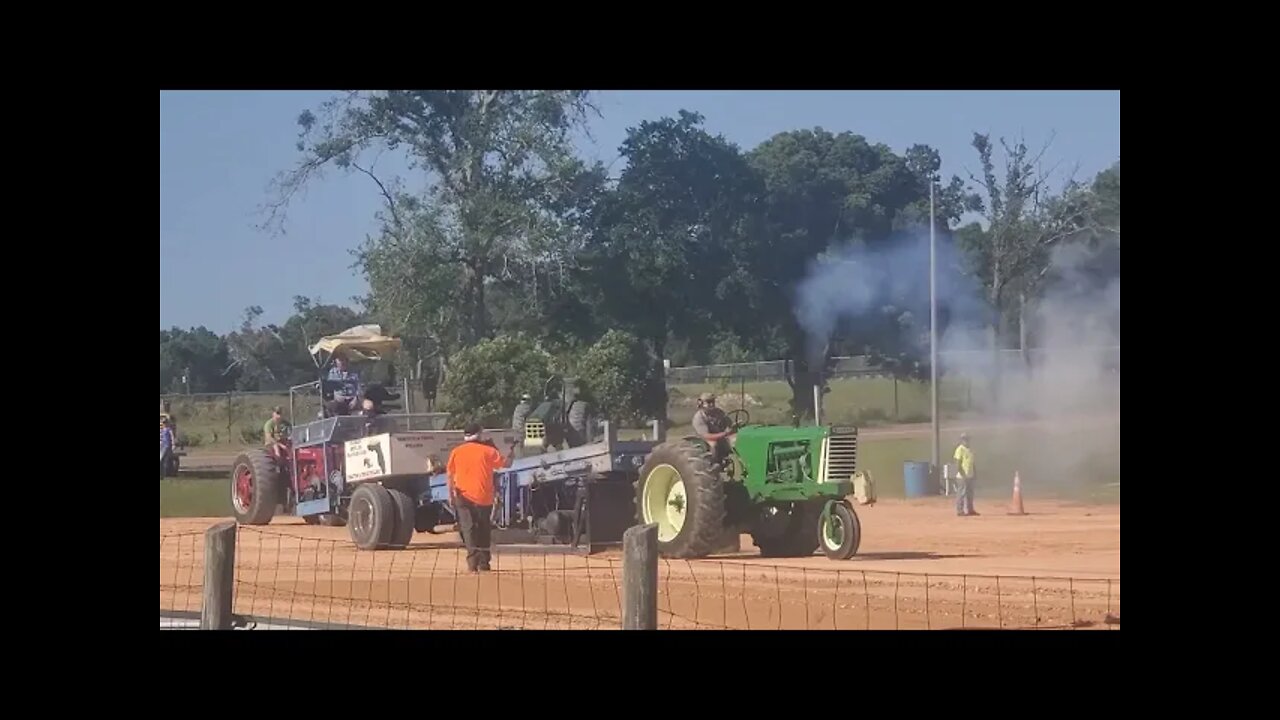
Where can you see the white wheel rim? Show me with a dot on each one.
(664, 501)
(240, 505)
(361, 516)
(833, 531)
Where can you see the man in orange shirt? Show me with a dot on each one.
(470, 472)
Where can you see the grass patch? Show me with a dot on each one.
(196, 495)
(1076, 464)
(217, 422)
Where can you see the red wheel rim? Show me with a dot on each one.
(242, 492)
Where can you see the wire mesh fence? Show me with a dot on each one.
(754, 596)
(423, 587)
(288, 581)
(181, 580)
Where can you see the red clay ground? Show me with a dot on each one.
(919, 566)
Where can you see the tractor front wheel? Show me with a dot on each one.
(841, 532)
(372, 517)
(256, 488)
(680, 491)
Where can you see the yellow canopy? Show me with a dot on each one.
(362, 342)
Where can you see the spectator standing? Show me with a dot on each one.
(965, 477)
(167, 442)
(470, 475)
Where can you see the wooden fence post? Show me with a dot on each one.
(219, 576)
(640, 578)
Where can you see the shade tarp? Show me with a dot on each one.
(362, 342)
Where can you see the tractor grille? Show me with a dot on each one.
(534, 433)
(842, 457)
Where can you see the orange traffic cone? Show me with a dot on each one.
(1015, 507)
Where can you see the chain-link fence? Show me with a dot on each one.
(221, 420)
(957, 364)
(858, 394)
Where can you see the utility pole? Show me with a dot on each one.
(933, 333)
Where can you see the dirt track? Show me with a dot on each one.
(919, 566)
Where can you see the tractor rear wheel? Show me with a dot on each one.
(840, 532)
(787, 530)
(402, 533)
(256, 487)
(680, 491)
(372, 517)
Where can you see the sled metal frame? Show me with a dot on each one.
(602, 475)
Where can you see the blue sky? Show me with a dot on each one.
(219, 150)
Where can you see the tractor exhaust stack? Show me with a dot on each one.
(817, 403)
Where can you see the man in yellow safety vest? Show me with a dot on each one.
(965, 477)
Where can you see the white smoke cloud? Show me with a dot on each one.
(1072, 379)
(853, 281)
(1073, 327)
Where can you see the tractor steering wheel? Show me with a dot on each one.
(746, 418)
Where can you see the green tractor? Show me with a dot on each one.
(559, 422)
(786, 486)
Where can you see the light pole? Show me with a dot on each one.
(933, 334)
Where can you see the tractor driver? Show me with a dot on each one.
(712, 424)
(346, 395)
(521, 412)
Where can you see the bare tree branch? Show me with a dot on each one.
(391, 202)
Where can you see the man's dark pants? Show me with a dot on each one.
(474, 522)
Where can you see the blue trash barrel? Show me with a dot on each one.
(917, 481)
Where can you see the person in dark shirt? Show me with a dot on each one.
(713, 425)
(347, 393)
(167, 442)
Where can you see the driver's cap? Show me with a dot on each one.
(707, 397)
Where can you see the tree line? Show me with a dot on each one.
(508, 251)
